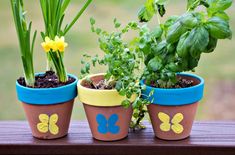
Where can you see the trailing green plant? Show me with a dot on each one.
(54, 44)
(177, 45)
(123, 61)
(24, 36)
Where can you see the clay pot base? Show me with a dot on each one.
(172, 122)
(49, 121)
(108, 123)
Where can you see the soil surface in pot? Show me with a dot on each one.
(98, 82)
(47, 80)
(181, 83)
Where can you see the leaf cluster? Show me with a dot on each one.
(176, 45)
(123, 61)
(150, 8)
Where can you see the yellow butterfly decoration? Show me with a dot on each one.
(173, 124)
(48, 123)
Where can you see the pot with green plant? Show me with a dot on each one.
(47, 97)
(172, 48)
(108, 97)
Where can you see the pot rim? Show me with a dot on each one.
(46, 89)
(47, 96)
(97, 97)
(175, 96)
(178, 89)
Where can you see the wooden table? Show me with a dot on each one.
(207, 138)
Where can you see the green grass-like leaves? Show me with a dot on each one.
(53, 14)
(25, 42)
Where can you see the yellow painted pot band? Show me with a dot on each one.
(100, 97)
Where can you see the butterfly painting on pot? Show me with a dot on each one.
(107, 125)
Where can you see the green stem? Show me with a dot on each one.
(158, 19)
(50, 66)
(64, 76)
(29, 79)
(59, 65)
(141, 114)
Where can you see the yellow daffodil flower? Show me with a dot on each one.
(55, 45)
(60, 43)
(47, 44)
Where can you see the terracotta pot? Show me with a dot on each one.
(172, 111)
(108, 120)
(48, 110)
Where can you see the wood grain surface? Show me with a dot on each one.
(207, 138)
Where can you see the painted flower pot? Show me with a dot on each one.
(172, 111)
(108, 120)
(48, 110)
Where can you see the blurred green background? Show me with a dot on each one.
(218, 68)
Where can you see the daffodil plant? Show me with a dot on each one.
(25, 41)
(54, 35)
(177, 45)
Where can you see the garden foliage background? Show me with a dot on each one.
(218, 68)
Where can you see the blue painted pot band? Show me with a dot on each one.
(46, 96)
(177, 96)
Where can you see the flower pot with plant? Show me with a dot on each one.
(174, 47)
(47, 97)
(108, 97)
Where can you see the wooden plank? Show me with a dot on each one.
(209, 138)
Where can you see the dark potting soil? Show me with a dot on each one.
(100, 85)
(182, 83)
(47, 80)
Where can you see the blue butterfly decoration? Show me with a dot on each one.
(107, 125)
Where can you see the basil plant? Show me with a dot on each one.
(177, 44)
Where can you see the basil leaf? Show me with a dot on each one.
(148, 58)
(169, 58)
(155, 64)
(199, 38)
(147, 11)
(218, 5)
(189, 20)
(144, 15)
(157, 32)
(183, 64)
(171, 48)
(193, 62)
(160, 48)
(219, 28)
(211, 45)
(192, 4)
(182, 24)
(161, 2)
(161, 10)
(175, 31)
(171, 20)
(222, 15)
(204, 3)
(183, 45)
(173, 67)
